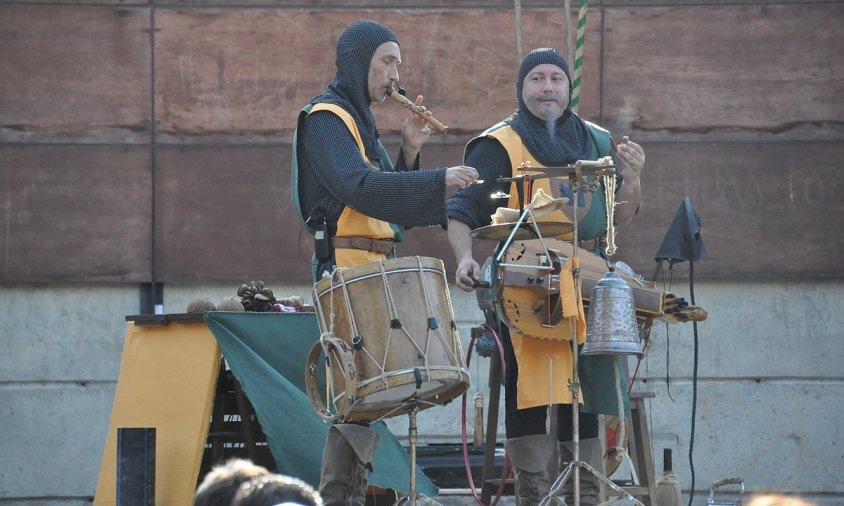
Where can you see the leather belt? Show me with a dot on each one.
(599, 242)
(384, 246)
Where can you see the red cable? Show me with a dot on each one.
(506, 468)
(638, 363)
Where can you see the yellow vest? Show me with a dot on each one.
(519, 156)
(353, 223)
(543, 354)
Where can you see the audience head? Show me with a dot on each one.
(275, 489)
(222, 482)
(778, 500)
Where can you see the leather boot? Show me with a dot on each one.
(530, 456)
(349, 452)
(591, 453)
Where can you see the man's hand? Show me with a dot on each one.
(631, 156)
(467, 274)
(631, 161)
(459, 236)
(460, 176)
(414, 133)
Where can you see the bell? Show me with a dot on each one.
(611, 324)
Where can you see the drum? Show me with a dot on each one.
(389, 334)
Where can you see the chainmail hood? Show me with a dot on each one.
(350, 87)
(571, 141)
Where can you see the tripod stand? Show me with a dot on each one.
(574, 468)
(578, 183)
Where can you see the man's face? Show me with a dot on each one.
(383, 71)
(545, 92)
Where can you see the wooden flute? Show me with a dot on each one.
(398, 96)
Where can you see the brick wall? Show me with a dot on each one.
(151, 142)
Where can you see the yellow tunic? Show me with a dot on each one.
(543, 354)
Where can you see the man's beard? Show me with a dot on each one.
(551, 127)
(378, 98)
(550, 117)
(547, 111)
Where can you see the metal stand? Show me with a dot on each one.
(412, 498)
(574, 467)
(575, 174)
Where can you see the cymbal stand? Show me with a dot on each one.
(532, 222)
(411, 498)
(574, 467)
(526, 212)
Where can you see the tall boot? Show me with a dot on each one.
(530, 456)
(591, 453)
(349, 452)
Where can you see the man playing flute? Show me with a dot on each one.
(357, 202)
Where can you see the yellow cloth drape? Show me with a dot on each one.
(545, 365)
(167, 380)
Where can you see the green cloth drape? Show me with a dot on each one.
(267, 354)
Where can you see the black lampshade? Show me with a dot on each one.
(683, 242)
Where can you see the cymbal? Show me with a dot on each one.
(501, 231)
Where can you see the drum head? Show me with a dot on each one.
(438, 387)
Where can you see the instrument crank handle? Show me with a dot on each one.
(477, 283)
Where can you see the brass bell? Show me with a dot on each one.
(611, 324)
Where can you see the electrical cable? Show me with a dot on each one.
(506, 468)
(694, 384)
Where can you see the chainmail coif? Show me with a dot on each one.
(350, 87)
(571, 140)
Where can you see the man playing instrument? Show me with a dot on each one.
(356, 202)
(545, 132)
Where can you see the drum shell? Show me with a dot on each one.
(366, 301)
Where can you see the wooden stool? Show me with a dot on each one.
(489, 482)
(639, 448)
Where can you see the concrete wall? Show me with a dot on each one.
(768, 402)
(58, 370)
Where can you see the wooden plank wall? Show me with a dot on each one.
(151, 141)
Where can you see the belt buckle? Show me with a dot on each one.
(377, 245)
(392, 248)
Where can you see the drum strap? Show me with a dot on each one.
(339, 355)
